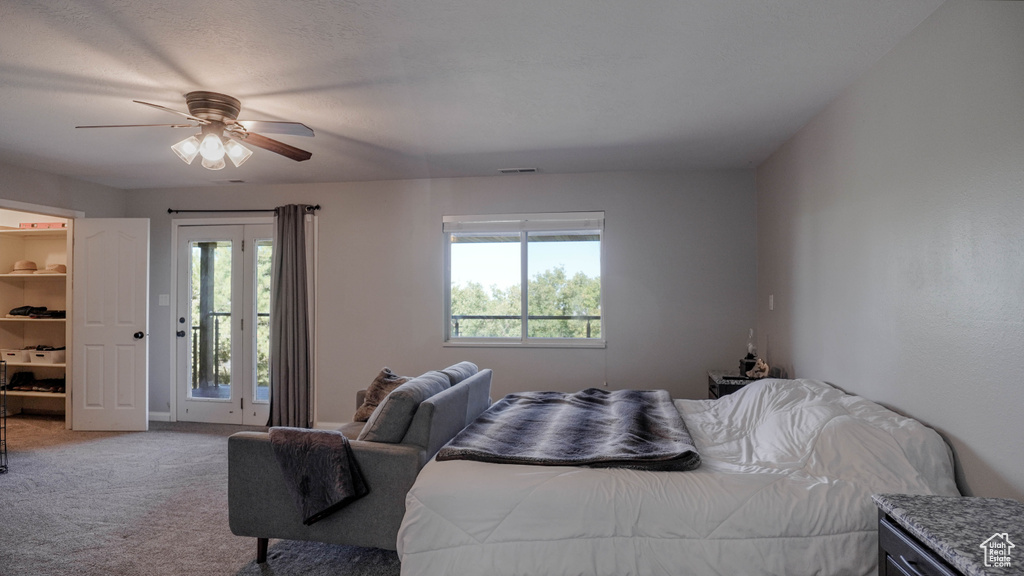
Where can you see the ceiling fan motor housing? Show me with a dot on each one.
(213, 106)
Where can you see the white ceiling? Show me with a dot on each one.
(431, 88)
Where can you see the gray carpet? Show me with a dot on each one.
(140, 503)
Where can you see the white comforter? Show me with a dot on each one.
(784, 488)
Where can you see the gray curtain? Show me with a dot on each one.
(290, 359)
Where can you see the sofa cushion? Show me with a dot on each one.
(390, 421)
(382, 385)
(459, 372)
(351, 430)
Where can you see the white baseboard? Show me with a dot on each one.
(160, 416)
(166, 417)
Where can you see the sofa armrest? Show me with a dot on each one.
(260, 504)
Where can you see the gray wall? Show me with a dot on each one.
(42, 189)
(891, 234)
(679, 277)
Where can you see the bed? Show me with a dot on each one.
(787, 471)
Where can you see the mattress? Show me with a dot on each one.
(785, 487)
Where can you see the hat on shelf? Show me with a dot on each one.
(24, 267)
(54, 269)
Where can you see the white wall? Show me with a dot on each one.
(679, 277)
(891, 234)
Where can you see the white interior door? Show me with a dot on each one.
(110, 375)
(222, 323)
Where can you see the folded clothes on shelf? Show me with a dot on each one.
(55, 385)
(26, 382)
(26, 310)
(22, 381)
(35, 312)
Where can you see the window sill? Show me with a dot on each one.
(530, 344)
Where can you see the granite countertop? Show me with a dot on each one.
(955, 528)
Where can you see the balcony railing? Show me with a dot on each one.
(218, 317)
(456, 318)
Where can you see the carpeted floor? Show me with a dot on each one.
(140, 503)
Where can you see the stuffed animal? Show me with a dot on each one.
(760, 369)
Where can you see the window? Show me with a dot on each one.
(556, 257)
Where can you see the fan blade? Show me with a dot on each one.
(275, 127)
(172, 111)
(140, 126)
(281, 148)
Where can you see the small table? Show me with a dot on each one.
(722, 382)
(949, 536)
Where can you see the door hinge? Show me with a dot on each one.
(243, 323)
(241, 403)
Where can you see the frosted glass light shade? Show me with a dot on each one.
(211, 148)
(236, 152)
(187, 149)
(214, 164)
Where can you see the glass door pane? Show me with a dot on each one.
(210, 319)
(261, 390)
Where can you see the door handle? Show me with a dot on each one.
(139, 335)
(180, 333)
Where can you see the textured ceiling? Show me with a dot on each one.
(431, 88)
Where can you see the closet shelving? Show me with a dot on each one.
(44, 247)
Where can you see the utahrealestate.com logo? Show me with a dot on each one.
(997, 550)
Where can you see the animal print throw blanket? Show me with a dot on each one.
(319, 469)
(638, 429)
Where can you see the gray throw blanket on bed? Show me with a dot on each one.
(622, 429)
(319, 469)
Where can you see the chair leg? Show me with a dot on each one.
(261, 550)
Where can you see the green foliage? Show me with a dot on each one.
(475, 301)
(549, 293)
(264, 254)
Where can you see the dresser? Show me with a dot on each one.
(921, 535)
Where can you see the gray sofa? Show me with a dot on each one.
(260, 505)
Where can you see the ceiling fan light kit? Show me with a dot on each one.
(187, 149)
(217, 164)
(222, 133)
(237, 153)
(212, 147)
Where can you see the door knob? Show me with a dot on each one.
(139, 335)
(181, 333)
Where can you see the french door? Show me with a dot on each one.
(223, 323)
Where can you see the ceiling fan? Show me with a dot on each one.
(222, 132)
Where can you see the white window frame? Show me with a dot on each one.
(521, 223)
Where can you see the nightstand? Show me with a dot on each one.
(722, 382)
(948, 536)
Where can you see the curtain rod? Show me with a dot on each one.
(173, 211)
